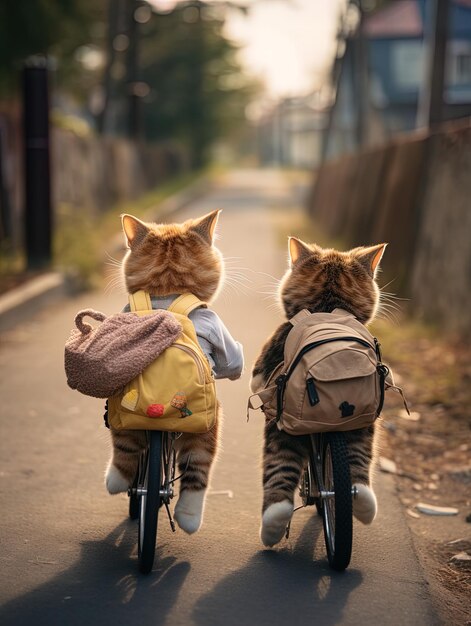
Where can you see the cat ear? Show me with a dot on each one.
(206, 225)
(134, 229)
(371, 256)
(298, 250)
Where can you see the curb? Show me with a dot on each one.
(17, 305)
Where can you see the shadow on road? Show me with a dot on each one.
(281, 587)
(79, 595)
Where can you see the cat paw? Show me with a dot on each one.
(115, 481)
(365, 506)
(274, 522)
(189, 510)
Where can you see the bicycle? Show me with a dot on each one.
(152, 488)
(326, 483)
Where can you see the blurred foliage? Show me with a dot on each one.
(56, 28)
(194, 90)
(83, 245)
(198, 92)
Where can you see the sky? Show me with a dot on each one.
(288, 44)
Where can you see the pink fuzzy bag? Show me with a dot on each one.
(100, 361)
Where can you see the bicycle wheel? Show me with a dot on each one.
(306, 485)
(337, 500)
(148, 493)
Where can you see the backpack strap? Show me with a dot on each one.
(185, 304)
(140, 301)
(299, 317)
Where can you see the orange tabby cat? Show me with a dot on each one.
(167, 260)
(318, 280)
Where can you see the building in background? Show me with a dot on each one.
(380, 73)
(291, 134)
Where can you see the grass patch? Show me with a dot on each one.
(432, 366)
(80, 241)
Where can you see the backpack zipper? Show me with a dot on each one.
(283, 378)
(196, 358)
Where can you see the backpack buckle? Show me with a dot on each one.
(378, 350)
(280, 383)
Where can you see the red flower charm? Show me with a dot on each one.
(155, 410)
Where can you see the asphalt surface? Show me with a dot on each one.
(68, 551)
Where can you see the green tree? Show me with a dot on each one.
(55, 28)
(198, 92)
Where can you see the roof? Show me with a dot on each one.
(399, 19)
(404, 18)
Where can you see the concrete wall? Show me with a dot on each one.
(94, 173)
(415, 194)
(88, 172)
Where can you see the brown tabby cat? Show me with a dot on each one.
(169, 259)
(318, 280)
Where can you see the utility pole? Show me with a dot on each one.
(360, 79)
(430, 104)
(134, 121)
(38, 212)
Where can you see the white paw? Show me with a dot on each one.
(365, 506)
(115, 481)
(274, 522)
(189, 510)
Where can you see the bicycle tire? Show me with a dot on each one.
(337, 510)
(149, 502)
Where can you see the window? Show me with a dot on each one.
(407, 63)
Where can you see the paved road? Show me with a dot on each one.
(68, 553)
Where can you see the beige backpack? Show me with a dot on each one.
(332, 377)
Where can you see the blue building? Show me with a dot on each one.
(385, 96)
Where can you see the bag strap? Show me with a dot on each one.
(185, 304)
(140, 301)
(299, 317)
(84, 327)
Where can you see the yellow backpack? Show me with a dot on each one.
(176, 392)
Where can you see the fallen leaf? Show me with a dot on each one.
(386, 465)
(431, 509)
(461, 556)
(413, 416)
(412, 513)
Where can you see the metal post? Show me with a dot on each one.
(38, 213)
(360, 80)
(430, 105)
(5, 207)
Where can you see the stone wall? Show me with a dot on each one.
(93, 173)
(89, 172)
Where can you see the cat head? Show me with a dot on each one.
(322, 280)
(166, 259)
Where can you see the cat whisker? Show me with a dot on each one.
(114, 282)
(390, 305)
(112, 261)
(273, 278)
(386, 285)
